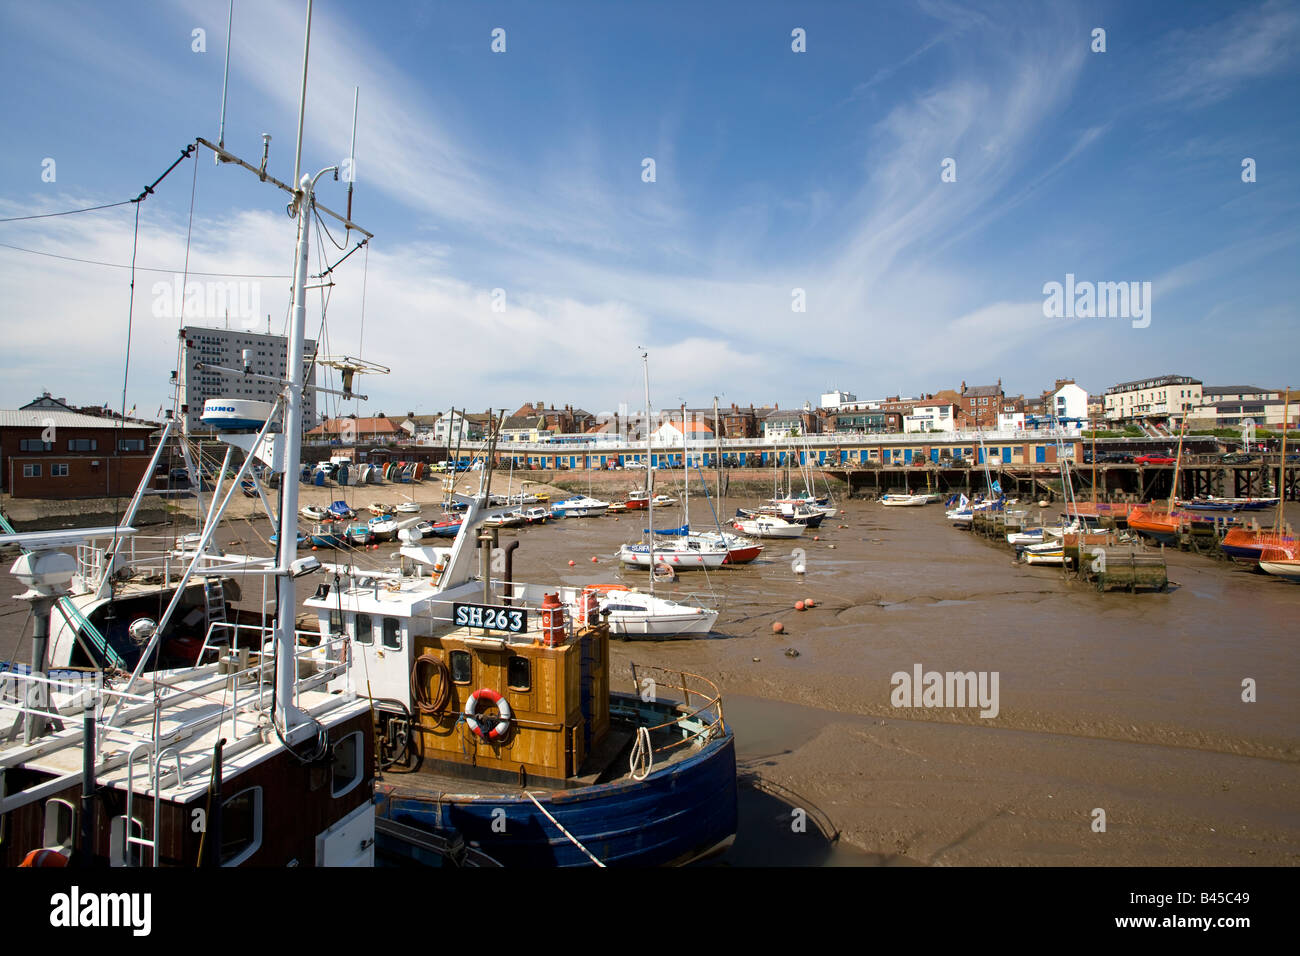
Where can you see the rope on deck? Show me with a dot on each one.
(572, 839)
(642, 758)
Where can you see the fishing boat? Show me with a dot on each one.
(770, 526)
(504, 519)
(408, 508)
(382, 529)
(244, 757)
(314, 513)
(637, 500)
(535, 515)
(380, 510)
(498, 725)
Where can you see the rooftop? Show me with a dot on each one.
(44, 417)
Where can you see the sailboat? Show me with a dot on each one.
(120, 769)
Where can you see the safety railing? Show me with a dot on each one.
(701, 716)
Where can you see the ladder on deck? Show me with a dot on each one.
(214, 603)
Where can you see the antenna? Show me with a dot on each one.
(352, 149)
(225, 82)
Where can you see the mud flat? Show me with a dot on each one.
(1128, 704)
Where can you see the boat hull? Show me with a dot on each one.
(679, 813)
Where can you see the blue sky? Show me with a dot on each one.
(775, 171)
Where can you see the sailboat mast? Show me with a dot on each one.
(1173, 490)
(686, 477)
(1281, 473)
(649, 471)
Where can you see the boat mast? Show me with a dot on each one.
(1173, 490)
(649, 471)
(686, 478)
(717, 447)
(1281, 473)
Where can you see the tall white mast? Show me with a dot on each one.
(649, 471)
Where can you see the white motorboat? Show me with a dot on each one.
(579, 507)
(408, 508)
(904, 501)
(314, 513)
(1287, 570)
(634, 613)
(769, 527)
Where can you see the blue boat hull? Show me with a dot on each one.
(678, 813)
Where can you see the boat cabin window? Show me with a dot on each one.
(392, 633)
(336, 622)
(461, 667)
(365, 630)
(349, 757)
(60, 823)
(518, 674)
(121, 853)
(241, 826)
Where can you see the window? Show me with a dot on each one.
(365, 630)
(130, 444)
(392, 633)
(349, 758)
(121, 853)
(58, 471)
(60, 823)
(31, 471)
(35, 444)
(83, 444)
(336, 622)
(518, 675)
(241, 826)
(461, 667)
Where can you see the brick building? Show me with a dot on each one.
(48, 453)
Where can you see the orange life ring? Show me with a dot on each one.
(44, 857)
(503, 707)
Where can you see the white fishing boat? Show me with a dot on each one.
(769, 527)
(535, 515)
(314, 513)
(245, 756)
(408, 508)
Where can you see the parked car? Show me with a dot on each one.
(1154, 460)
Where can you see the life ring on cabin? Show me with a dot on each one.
(664, 573)
(43, 858)
(491, 696)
